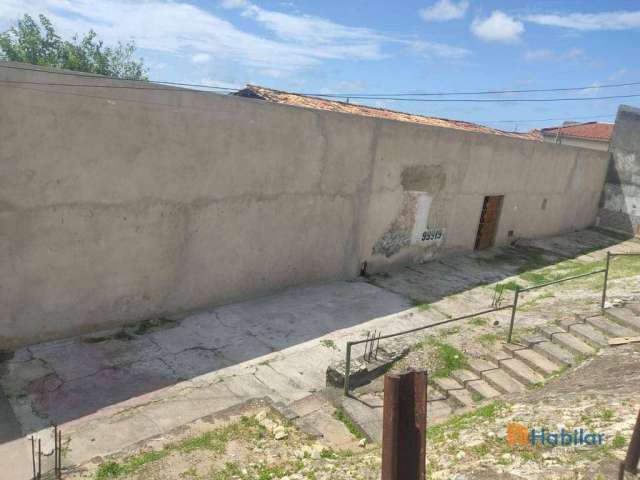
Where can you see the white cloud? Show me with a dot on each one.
(444, 10)
(289, 42)
(200, 58)
(181, 29)
(547, 55)
(620, 20)
(234, 3)
(497, 27)
(592, 90)
(429, 49)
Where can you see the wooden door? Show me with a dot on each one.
(488, 222)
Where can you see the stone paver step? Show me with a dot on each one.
(555, 353)
(438, 411)
(435, 394)
(538, 362)
(634, 307)
(567, 341)
(478, 365)
(521, 371)
(498, 356)
(447, 383)
(610, 328)
(462, 398)
(588, 334)
(502, 381)
(463, 376)
(625, 317)
(482, 388)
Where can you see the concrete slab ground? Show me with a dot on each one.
(116, 388)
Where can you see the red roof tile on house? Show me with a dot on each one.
(589, 131)
(278, 96)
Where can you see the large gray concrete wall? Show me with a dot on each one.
(118, 205)
(621, 195)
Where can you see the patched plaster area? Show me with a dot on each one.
(421, 185)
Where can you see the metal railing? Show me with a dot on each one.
(513, 307)
(350, 345)
(604, 270)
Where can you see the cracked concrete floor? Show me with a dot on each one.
(112, 389)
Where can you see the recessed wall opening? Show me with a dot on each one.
(488, 225)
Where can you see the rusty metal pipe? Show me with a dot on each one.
(404, 426)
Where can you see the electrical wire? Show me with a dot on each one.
(370, 96)
(396, 99)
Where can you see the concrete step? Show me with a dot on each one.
(464, 376)
(554, 352)
(567, 341)
(625, 317)
(502, 381)
(539, 363)
(609, 328)
(478, 366)
(462, 398)
(482, 388)
(438, 411)
(446, 384)
(499, 356)
(634, 307)
(588, 334)
(521, 371)
(434, 394)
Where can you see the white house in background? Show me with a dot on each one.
(594, 135)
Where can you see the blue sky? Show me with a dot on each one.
(378, 46)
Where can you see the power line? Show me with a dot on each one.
(493, 100)
(369, 96)
(548, 119)
(397, 99)
(482, 92)
(104, 77)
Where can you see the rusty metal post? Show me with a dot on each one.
(404, 426)
(630, 463)
(513, 313)
(606, 278)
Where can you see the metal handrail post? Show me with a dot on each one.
(513, 313)
(347, 369)
(606, 278)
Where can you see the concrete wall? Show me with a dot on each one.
(118, 205)
(603, 146)
(621, 195)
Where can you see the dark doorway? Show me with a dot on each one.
(488, 222)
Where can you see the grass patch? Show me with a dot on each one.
(449, 358)
(329, 344)
(450, 429)
(607, 415)
(479, 321)
(448, 331)
(423, 307)
(488, 338)
(511, 285)
(618, 441)
(247, 428)
(342, 416)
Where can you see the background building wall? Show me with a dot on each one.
(578, 142)
(119, 205)
(621, 195)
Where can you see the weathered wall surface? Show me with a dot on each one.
(621, 195)
(120, 205)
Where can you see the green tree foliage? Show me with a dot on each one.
(39, 44)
